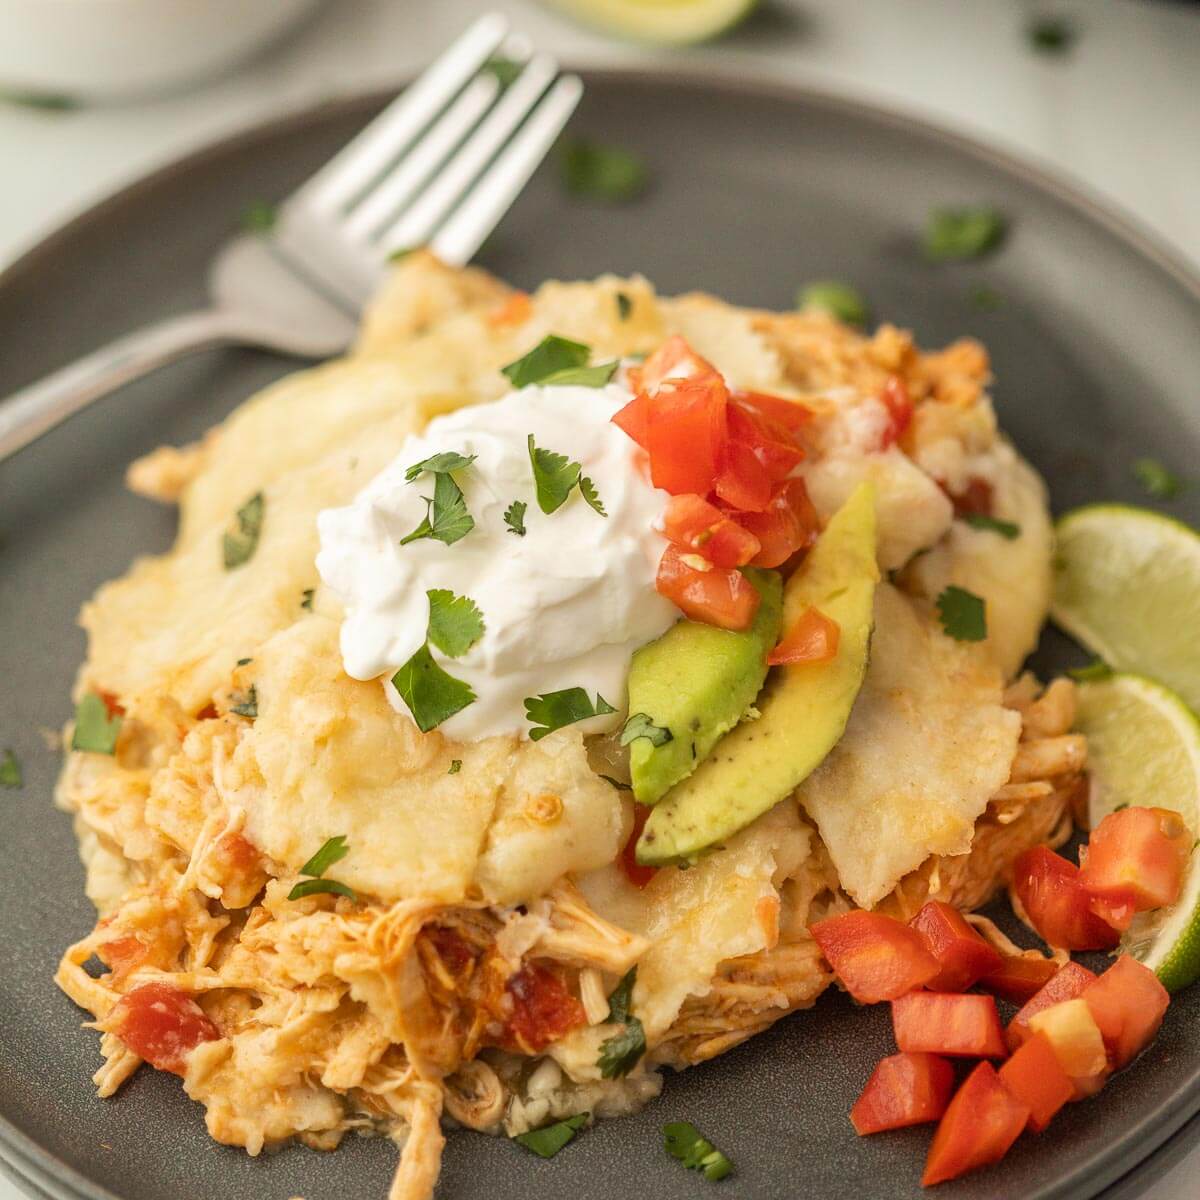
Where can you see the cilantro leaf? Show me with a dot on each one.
(447, 519)
(596, 376)
(619, 1054)
(685, 1142)
(621, 787)
(10, 770)
(241, 662)
(963, 614)
(599, 172)
(334, 850)
(313, 887)
(837, 299)
(432, 696)
(587, 489)
(439, 464)
(550, 1139)
(1051, 35)
(624, 306)
(1156, 480)
(45, 101)
(551, 356)
(306, 599)
(1006, 529)
(455, 766)
(249, 706)
(514, 517)
(259, 217)
(238, 548)
(1097, 669)
(95, 730)
(620, 999)
(556, 710)
(639, 725)
(962, 233)
(455, 622)
(504, 69)
(554, 475)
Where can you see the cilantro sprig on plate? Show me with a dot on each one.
(550, 1139)
(555, 477)
(558, 362)
(447, 519)
(685, 1142)
(1006, 529)
(96, 728)
(556, 710)
(455, 622)
(963, 614)
(238, 547)
(10, 770)
(620, 1053)
(514, 517)
(333, 851)
(640, 725)
(431, 693)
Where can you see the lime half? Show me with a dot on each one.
(664, 22)
(1144, 749)
(1127, 586)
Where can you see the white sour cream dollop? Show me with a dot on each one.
(564, 606)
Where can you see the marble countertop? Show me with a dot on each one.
(1119, 113)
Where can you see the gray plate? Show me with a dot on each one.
(1096, 356)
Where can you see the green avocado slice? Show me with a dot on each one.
(697, 681)
(804, 709)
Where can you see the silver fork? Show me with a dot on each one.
(439, 167)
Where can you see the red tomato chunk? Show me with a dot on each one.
(876, 957)
(162, 1025)
(638, 875)
(787, 525)
(542, 1008)
(717, 596)
(982, 1122)
(1048, 888)
(1066, 984)
(943, 1023)
(904, 1089)
(1019, 979)
(964, 955)
(1035, 1076)
(1137, 856)
(1128, 1004)
(813, 638)
(701, 528)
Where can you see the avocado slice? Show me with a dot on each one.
(698, 681)
(804, 709)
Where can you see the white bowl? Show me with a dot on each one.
(104, 49)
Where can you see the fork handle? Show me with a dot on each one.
(36, 409)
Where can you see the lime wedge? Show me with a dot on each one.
(1127, 586)
(1144, 749)
(664, 22)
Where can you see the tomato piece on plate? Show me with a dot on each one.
(1066, 983)
(742, 483)
(982, 1122)
(899, 405)
(161, 1024)
(634, 418)
(774, 446)
(1035, 1076)
(1138, 855)
(1057, 906)
(1072, 1030)
(701, 528)
(543, 1009)
(964, 955)
(875, 956)
(959, 1026)
(122, 955)
(1019, 978)
(1128, 1003)
(974, 500)
(904, 1089)
(674, 359)
(790, 414)
(638, 875)
(685, 435)
(789, 523)
(812, 639)
(716, 596)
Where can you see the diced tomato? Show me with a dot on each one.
(457, 955)
(1035, 1076)
(945, 1023)
(974, 500)
(1128, 1003)
(789, 523)
(542, 1008)
(964, 955)
(790, 414)
(208, 712)
(742, 483)
(1137, 855)
(772, 443)
(516, 310)
(701, 528)
(899, 404)
(122, 955)
(112, 705)
(719, 596)
(634, 419)
(982, 1122)
(161, 1024)
(674, 359)
(1054, 900)
(638, 875)
(1019, 979)
(812, 639)
(685, 435)
(875, 956)
(904, 1089)
(1072, 1030)
(1066, 983)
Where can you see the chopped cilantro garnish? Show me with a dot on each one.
(95, 730)
(621, 787)
(306, 599)
(620, 999)
(554, 476)
(455, 622)
(552, 355)
(439, 464)
(550, 1139)
(400, 253)
(602, 172)
(334, 850)
(962, 614)
(312, 887)
(514, 517)
(504, 69)
(10, 770)
(447, 518)
(1096, 670)
(587, 489)
(556, 710)
(686, 1143)
(1051, 35)
(624, 306)
(259, 217)
(1156, 480)
(596, 376)
(1006, 529)
(45, 101)
(960, 233)
(239, 547)
(241, 662)
(639, 725)
(247, 707)
(620, 1053)
(432, 696)
(838, 299)
(455, 766)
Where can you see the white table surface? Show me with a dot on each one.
(1120, 113)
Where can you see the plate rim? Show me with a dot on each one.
(37, 1169)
